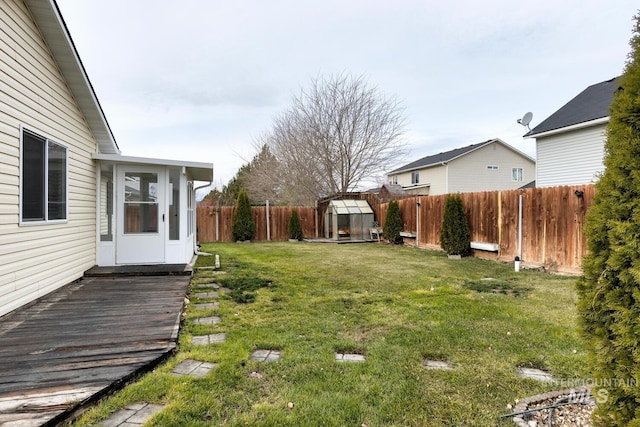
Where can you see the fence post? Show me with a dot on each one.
(418, 223)
(217, 212)
(520, 227)
(268, 228)
(315, 214)
(499, 221)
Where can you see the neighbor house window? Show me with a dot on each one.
(415, 177)
(516, 174)
(492, 167)
(394, 179)
(43, 186)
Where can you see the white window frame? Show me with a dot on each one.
(47, 140)
(415, 177)
(517, 174)
(394, 179)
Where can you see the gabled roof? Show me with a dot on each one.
(589, 105)
(56, 35)
(447, 156)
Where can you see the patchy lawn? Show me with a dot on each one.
(395, 305)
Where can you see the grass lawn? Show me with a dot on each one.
(397, 306)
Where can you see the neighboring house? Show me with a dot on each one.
(487, 166)
(68, 199)
(570, 142)
(389, 192)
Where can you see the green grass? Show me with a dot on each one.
(397, 306)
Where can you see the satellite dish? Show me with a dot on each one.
(526, 119)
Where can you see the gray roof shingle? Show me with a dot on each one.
(590, 104)
(440, 157)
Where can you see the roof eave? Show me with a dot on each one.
(198, 171)
(397, 171)
(577, 126)
(56, 35)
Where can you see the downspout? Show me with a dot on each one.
(446, 177)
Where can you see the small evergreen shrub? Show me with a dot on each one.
(455, 236)
(243, 227)
(609, 291)
(295, 228)
(393, 223)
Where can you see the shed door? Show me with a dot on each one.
(141, 215)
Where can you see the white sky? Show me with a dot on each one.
(200, 80)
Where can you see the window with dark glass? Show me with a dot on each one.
(44, 179)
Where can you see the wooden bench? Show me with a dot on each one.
(408, 234)
(483, 246)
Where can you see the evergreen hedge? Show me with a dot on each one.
(455, 236)
(295, 227)
(609, 290)
(393, 223)
(243, 226)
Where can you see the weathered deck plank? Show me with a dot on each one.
(86, 336)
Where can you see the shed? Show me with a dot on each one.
(348, 220)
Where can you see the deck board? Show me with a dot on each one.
(88, 335)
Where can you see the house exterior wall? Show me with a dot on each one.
(571, 158)
(435, 177)
(37, 259)
(470, 173)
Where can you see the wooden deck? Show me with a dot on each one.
(82, 342)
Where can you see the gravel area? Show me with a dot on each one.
(577, 407)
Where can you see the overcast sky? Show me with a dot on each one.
(200, 80)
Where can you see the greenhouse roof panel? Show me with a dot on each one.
(345, 207)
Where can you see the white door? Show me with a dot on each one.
(140, 215)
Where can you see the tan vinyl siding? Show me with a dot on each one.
(469, 173)
(37, 259)
(432, 181)
(571, 158)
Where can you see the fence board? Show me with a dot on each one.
(552, 222)
(220, 218)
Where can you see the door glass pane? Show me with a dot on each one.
(140, 202)
(106, 203)
(174, 204)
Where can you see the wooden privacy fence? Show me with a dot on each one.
(552, 223)
(215, 222)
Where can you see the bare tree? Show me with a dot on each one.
(335, 134)
(261, 177)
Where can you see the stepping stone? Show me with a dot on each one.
(208, 305)
(211, 270)
(209, 339)
(535, 374)
(265, 355)
(436, 364)
(193, 368)
(213, 285)
(350, 357)
(207, 320)
(206, 295)
(132, 415)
